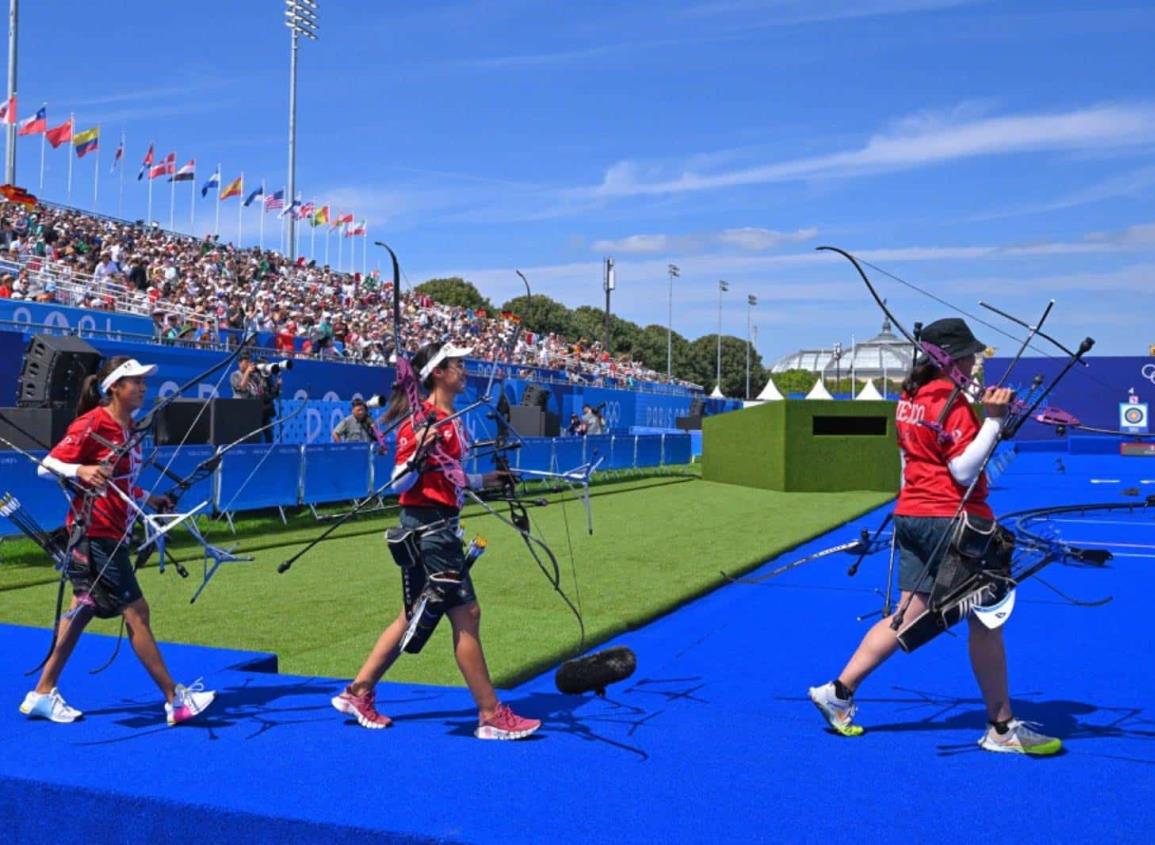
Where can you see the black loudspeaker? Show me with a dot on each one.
(233, 418)
(531, 421)
(535, 397)
(45, 427)
(183, 421)
(54, 370)
(223, 421)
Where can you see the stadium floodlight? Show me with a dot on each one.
(723, 286)
(301, 19)
(674, 272)
(609, 282)
(751, 301)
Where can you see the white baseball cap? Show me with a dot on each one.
(129, 369)
(447, 351)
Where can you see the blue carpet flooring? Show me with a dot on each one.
(712, 740)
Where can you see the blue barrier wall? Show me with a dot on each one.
(329, 387)
(256, 476)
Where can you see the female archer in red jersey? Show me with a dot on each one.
(943, 447)
(430, 509)
(103, 580)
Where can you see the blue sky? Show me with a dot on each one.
(985, 150)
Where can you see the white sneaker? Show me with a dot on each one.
(188, 701)
(50, 706)
(1020, 739)
(839, 713)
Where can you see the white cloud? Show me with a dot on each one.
(749, 238)
(918, 141)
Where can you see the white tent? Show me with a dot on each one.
(819, 391)
(770, 392)
(717, 394)
(869, 392)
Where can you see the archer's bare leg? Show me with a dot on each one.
(880, 642)
(385, 652)
(140, 636)
(989, 662)
(466, 621)
(68, 635)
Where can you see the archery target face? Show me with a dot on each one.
(1133, 416)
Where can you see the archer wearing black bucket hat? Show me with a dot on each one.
(953, 336)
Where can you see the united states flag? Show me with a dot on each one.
(275, 202)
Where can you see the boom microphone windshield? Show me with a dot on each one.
(594, 672)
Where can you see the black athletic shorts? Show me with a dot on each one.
(917, 538)
(109, 561)
(440, 550)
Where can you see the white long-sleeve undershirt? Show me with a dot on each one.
(965, 467)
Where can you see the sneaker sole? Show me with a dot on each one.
(1045, 750)
(342, 706)
(849, 730)
(68, 721)
(489, 732)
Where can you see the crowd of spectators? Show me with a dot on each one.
(203, 291)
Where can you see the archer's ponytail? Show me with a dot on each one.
(90, 395)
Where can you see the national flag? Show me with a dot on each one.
(321, 216)
(234, 189)
(292, 206)
(186, 173)
(146, 164)
(118, 157)
(61, 134)
(342, 219)
(34, 125)
(276, 201)
(306, 211)
(17, 195)
(167, 167)
(259, 193)
(212, 184)
(354, 230)
(8, 111)
(86, 141)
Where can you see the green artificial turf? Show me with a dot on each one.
(657, 543)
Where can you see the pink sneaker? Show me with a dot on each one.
(361, 706)
(505, 724)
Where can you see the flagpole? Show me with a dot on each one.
(217, 224)
(240, 209)
(364, 249)
(43, 144)
(340, 245)
(172, 198)
(96, 172)
(262, 210)
(312, 237)
(148, 218)
(71, 129)
(120, 193)
(327, 228)
(192, 214)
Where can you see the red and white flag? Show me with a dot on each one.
(167, 167)
(8, 111)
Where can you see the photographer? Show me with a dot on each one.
(357, 427)
(258, 381)
(594, 422)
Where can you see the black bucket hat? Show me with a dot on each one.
(953, 336)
